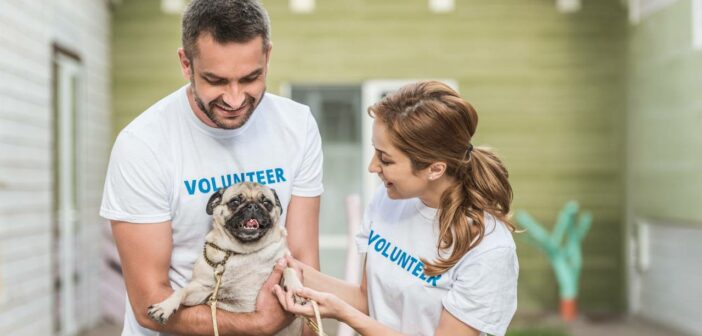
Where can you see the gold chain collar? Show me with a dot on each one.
(227, 254)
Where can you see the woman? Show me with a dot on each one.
(440, 258)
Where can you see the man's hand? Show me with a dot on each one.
(269, 314)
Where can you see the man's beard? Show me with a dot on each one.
(249, 101)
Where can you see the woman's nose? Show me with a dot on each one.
(373, 166)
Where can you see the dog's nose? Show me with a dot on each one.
(252, 206)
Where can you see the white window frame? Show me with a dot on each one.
(69, 69)
(697, 24)
(641, 9)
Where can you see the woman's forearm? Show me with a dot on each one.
(348, 292)
(365, 325)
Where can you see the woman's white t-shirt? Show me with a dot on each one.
(480, 290)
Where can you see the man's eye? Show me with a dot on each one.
(215, 82)
(249, 79)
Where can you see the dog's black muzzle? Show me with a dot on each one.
(250, 222)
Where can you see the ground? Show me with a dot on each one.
(542, 326)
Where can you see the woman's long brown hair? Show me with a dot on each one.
(430, 122)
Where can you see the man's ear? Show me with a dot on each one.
(186, 66)
(214, 201)
(277, 201)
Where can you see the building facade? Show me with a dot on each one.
(55, 127)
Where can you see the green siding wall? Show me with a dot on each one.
(665, 118)
(549, 88)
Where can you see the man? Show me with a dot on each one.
(222, 128)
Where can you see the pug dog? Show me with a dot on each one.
(244, 244)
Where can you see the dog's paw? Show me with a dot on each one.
(161, 312)
(292, 283)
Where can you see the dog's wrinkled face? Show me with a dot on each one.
(246, 210)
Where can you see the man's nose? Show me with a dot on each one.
(234, 96)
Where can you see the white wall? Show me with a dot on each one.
(666, 276)
(28, 30)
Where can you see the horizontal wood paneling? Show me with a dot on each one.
(549, 88)
(29, 31)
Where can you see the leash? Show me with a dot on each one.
(315, 326)
(218, 272)
(213, 299)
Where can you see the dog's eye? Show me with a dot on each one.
(234, 202)
(267, 204)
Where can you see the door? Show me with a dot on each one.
(66, 70)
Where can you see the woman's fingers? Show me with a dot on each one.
(287, 301)
(310, 294)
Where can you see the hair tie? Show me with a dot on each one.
(470, 149)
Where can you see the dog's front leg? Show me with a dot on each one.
(291, 283)
(162, 311)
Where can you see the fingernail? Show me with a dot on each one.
(281, 262)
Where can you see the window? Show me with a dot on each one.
(641, 9)
(338, 111)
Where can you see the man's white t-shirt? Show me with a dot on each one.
(480, 290)
(166, 164)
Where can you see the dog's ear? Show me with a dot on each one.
(214, 201)
(277, 201)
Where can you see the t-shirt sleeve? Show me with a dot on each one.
(308, 180)
(363, 234)
(361, 237)
(484, 293)
(136, 187)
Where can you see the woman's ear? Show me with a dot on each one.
(437, 170)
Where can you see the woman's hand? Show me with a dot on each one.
(330, 306)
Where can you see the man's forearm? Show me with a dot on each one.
(197, 320)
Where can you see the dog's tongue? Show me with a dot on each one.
(251, 224)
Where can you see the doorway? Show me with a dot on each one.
(66, 67)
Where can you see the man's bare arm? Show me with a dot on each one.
(302, 224)
(145, 254)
